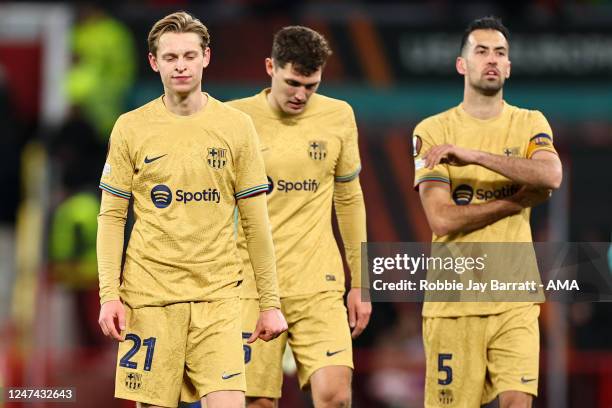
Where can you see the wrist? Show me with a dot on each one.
(514, 204)
(109, 298)
(480, 157)
(268, 308)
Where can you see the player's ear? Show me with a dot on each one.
(509, 69)
(206, 57)
(269, 66)
(460, 65)
(153, 62)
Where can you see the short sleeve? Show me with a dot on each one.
(349, 163)
(424, 137)
(250, 169)
(541, 137)
(118, 169)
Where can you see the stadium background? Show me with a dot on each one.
(67, 70)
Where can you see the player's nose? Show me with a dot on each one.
(300, 95)
(492, 60)
(180, 65)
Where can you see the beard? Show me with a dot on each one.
(488, 88)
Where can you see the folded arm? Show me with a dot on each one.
(446, 218)
(542, 170)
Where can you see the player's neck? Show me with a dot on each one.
(273, 104)
(482, 106)
(185, 105)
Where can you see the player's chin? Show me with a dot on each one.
(294, 108)
(491, 88)
(182, 88)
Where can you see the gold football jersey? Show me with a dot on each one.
(304, 156)
(515, 133)
(184, 174)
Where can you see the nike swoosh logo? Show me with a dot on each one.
(147, 160)
(331, 353)
(527, 380)
(228, 376)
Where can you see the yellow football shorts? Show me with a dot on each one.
(181, 351)
(472, 359)
(318, 335)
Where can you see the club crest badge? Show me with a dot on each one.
(317, 150)
(217, 157)
(133, 381)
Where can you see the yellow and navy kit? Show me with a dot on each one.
(184, 174)
(305, 155)
(515, 133)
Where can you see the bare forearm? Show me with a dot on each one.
(451, 219)
(535, 173)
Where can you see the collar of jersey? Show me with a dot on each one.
(466, 115)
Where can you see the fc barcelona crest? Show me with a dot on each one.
(511, 151)
(445, 396)
(317, 150)
(133, 381)
(217, 157)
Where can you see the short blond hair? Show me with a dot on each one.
(178, 22)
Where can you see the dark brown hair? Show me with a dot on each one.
(485, 23)
(303, 47)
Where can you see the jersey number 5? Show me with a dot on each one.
(246, 348)
(445, 368)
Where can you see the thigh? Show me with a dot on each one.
(263, 360)
(214, 356)
(319, 333)
(455, 352)
(151, 360)
(224, 399)
(513, 355)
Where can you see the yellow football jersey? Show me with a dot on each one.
(516, 133)
(304, 156)
(184, 174)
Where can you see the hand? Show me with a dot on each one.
(358, 312)
(270, 325)
(531, 197)
(451, 154)
(109, 312)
